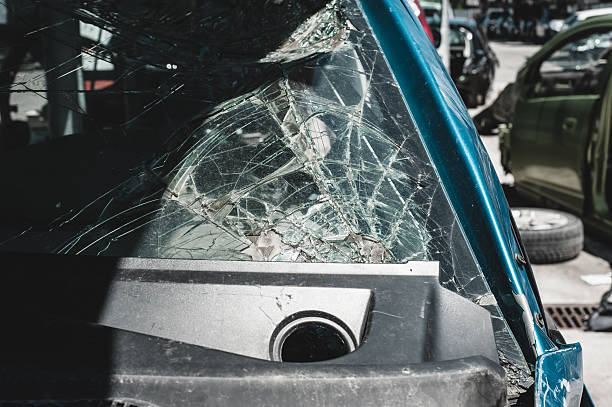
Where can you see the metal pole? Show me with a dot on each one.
(63, 72)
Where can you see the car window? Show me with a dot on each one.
(575, 67)
(579, 55)
(273, 131)
(293, 151)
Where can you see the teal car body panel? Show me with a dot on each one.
(559, 377)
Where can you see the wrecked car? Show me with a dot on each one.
(557, 144)
(269, 204)
(472, 61)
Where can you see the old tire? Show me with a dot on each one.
(549, 236)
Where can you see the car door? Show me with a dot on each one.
(554, 116)
(600, 155)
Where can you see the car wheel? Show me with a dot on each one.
(548, 235)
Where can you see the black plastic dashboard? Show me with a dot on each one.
(96, 330)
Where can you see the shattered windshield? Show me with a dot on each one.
(589, 52)
(203, 130)
(301, 151)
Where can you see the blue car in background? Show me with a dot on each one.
(280, 203)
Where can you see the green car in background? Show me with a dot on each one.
(557, 144)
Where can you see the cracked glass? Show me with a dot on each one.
(203, 130)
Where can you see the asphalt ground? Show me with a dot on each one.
(562, 283)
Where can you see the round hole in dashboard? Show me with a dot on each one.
(311, 339)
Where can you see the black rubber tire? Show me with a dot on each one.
(556, 244)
